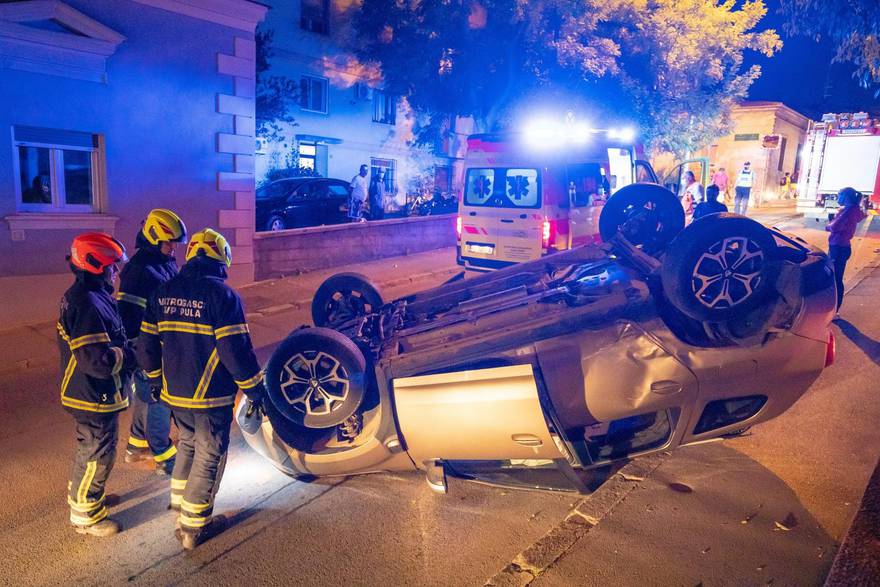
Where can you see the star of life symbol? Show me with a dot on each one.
(519, 186)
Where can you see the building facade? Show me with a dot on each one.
(770, 136)
(110, 108)
(343, 116)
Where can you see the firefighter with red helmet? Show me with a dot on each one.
(152, 265)
(96, 362)
(194, 343)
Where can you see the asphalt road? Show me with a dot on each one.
(707, 514)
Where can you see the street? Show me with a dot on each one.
(768, 507)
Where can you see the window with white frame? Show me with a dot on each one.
(384, 107)
(313, 94)
(55, 170)
(308, 152)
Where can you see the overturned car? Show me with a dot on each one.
(553, 373)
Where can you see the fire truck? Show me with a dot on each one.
(843, 150)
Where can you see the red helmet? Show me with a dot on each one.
(94, 251)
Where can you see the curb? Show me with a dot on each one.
(588, 513)
(858, 558)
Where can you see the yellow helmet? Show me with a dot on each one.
(164, 225)
(210, 243)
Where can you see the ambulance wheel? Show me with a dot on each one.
(316, 378)
(720, 268)
(343, 297)
(646, 214)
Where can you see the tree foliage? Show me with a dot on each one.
(673, 65)
(275, 94)
(852, 25)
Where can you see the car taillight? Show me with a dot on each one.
(547, 233)
(830, 350)
(458, 227)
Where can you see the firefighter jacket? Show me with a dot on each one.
(195, 338)
(96, 357)
(141, 276)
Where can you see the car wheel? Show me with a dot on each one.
(646, 214)
(316, 378)
(342, 297)
(719, 268)
(275, 223)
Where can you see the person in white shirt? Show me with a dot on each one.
(693, 195)
(744, 182)
(359, 188)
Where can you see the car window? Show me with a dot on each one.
(503, 187)
(271, 191)
(585, 184)
(319, 190)
(338, 190)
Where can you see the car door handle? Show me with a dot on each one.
(523, 216)
(666, 387)
(472, 213)
(527, 440)
(507, 220)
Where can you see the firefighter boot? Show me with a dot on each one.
(190, 539)
(164, 468)
(105, 527)
(135, 454)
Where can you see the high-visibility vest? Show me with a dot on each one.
(745, 178)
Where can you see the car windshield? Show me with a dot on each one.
(503, 187)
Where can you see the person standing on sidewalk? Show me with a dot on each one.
(720, 179)
(842, 229)
(96, 360)
(744, 182)
(377, 197)
(152, 265)
(359, 189)
(195, 347)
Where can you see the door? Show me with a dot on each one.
(521, 216)
(586, 188)
(675, 179)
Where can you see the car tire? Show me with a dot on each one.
(720, 268)
(646, 214)
(275, 223)
(316, 378)
(343, 297)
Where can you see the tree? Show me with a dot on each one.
(275, 94)
(853, 26)
(674, 65)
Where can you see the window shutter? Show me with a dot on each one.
(69, 138)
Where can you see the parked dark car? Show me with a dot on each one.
(302, 201)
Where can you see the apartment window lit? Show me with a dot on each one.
(308, 153)
(384, 107)
(55, 169)
(313, 94)
(314, 16)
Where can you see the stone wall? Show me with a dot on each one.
(289, 252)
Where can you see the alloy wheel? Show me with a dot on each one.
(315, 383)
(728, 273)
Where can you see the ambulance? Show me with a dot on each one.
(532, 193)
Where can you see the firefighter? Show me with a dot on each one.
(194, 343)
(96, 361)
(152, 265)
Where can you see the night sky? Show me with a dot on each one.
(802, 76)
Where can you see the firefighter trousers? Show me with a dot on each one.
(201, 459)
(93, 460)
(150, 422)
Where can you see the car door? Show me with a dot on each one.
(585, 184)
(301, 206)
(338, 194)
(674, 180)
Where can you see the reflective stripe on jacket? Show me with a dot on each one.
(745, 178)
(93, 349)
(194, 339)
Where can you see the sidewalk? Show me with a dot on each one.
(274, 307)
(858, 560)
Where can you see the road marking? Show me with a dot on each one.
(532, 562)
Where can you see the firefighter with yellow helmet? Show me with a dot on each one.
(96, 362)
(152, 265)
(195, 346)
